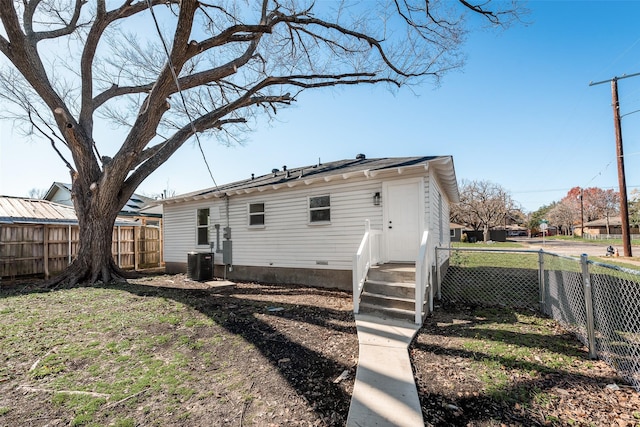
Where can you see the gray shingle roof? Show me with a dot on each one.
(346, 168)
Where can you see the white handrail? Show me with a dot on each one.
(423, 270)
(368, 254)
(361, 265)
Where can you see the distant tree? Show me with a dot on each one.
(37, 193)
(483, 205)
(634, 207)
(537, 216)
(563, 215)
(72, 62)
(164, 194)
(606, 204)
(596, 204)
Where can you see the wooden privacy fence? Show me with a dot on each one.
(46, 249)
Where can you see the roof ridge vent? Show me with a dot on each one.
(361, 157)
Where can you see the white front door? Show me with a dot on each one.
(403, 202)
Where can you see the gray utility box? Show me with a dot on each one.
(200, 266)
(226, 252)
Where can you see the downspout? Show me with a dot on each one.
(226, 199)
(226, 244)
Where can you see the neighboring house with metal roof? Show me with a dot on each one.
(20, 210)
(41, 237)
(304, 225)
(136, 207)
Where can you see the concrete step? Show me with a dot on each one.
(385, 312)
(392, 289)
(393, 273)
(385, 301)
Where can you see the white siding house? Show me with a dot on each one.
(304, 225)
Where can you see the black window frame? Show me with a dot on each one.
(257, 215)
(202, 230)
(320, 209)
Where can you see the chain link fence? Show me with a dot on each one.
(491, 277)
(599, 303)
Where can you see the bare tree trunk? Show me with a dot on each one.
(94, 261)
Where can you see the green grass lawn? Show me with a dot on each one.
(483, 245)
(134, 355)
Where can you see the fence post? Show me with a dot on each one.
(45, 249)
(542, 281)
(136, 249)
(119, 248)
(69, 247)
(588, 303)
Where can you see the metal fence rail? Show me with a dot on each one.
(599, 303)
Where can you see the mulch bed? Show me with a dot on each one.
(304, 338)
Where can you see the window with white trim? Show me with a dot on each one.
(320, 209)
(256, 214)
(202, 227)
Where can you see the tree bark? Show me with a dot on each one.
(96, 219)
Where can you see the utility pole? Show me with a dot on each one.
(581, 196)
(622, 182)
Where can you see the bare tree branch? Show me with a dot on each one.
(53, 143)
(210, 69)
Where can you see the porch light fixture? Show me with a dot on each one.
(376, 199)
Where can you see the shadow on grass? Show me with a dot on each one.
(307, 370)
(518, 382)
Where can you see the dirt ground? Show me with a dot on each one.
(544, 380)
(300, 368)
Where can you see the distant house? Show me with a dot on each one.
(455, 232)
(138, 207)
(304, 224)
(598, 227)
(19, 210)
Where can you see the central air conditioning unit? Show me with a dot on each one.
(200, 266)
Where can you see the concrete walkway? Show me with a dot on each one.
(384, 393)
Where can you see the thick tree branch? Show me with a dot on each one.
(66, 29)
(102, 21)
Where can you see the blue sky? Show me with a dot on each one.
(521, 114)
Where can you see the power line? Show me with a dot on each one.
(553, 190)
(624, 206)
(184, 102)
